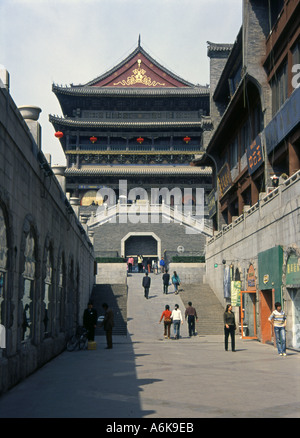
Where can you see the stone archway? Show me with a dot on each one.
(141, 234)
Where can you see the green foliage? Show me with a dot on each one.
(109, 260)
(188, 259)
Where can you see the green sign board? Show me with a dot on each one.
(293, 271)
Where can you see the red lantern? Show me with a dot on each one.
(59, 134)
(93, 139)
(187, 139)
(140, 140)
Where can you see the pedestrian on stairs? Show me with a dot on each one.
(146, 285)
(191, 316)
(176, 282)
(166, 280)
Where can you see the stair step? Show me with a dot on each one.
(209, 309)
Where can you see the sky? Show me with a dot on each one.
(74, 41)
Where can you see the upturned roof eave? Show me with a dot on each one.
(130, 91)
(87, 123)
(139, 170)
(234, 57)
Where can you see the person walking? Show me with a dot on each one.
(278, 321)
(191, 316)
(108, 324)
(149, 265)
(140, 263)
(175, 281)
(229, 327)
(166, 280)
(130, 264)
(167, 321)
(90, 321)
(162, 265)
(176, 317)
(154, 267)
(146, 285)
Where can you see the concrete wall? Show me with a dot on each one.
(189, 273)
(111, 273)
(33, 203)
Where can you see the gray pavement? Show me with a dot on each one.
(147, 376)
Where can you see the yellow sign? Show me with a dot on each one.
(266, 278)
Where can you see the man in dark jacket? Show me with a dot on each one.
(191, 316)
(166, 280)
(146, 284)
(90, 321)
(108, 324)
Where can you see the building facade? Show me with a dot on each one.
(254, 150)
(141, 125)
(46, 258)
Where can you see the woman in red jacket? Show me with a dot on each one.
(167, 321)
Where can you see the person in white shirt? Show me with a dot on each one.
(176, 318)
(278, 320)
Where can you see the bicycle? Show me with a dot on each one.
(79, 340)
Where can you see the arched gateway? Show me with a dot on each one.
(146, 243)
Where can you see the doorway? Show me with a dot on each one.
(145, 243)
(248, 315)
(266, 306)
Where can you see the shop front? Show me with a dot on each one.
(270, 288)
(248, 306)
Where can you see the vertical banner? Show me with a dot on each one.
(226, 282)
(236, 293)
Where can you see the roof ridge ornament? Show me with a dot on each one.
(139, 41)
(139, 77)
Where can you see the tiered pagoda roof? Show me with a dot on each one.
(138, 75)
(137, 98)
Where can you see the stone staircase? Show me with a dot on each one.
(115, 295)
(209, 309)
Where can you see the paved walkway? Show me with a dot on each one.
(147, 376)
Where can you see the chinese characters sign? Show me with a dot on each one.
(225, 180)
(211, 201)
(293, 271)
(254, 155)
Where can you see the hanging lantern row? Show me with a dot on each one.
(59, 134)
